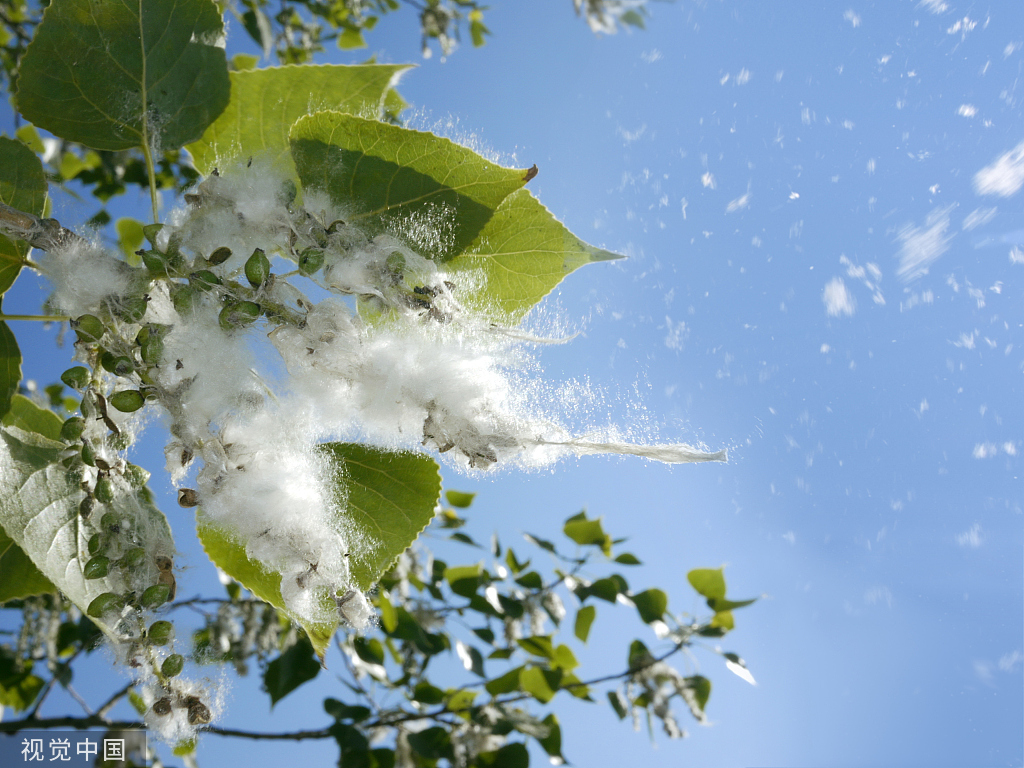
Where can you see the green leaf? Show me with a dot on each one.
(388, 497)
(22, 186)
(552, 743)
(30, 417)
(39, 510)
(341, 711)
(651, 604)
(721, 604)
(506, 683)
(388, 615)
(584, 618)
(129, 238)
(459, 499)
(19, 689)
(265, 103)
(627, 559)
(564, 659)
(351, 39)
(588, 532)
(425, 693)
(470, 657)
(229, 555)
(533, 681)
(290, 670)
(619, 703)
(514, 755)
(433, 743)
(464, 580)
(710, 582)
(10, 366)
(19, 576)
(523, 253)
(699, 691)
(391, 177)
(724, 620)
(118, 74)
(539, 645)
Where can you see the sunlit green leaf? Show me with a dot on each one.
(709, 582)
(19, 576)
(30, 417)
(584, 618)
(10, 365)
(459, 499)
(507, 683)
(552, 743)
(584, 532)
(533, 681)
(118, 74)
(398, 179)
(388, 498)
(513, 755)
(651, 604)
(523, 253)
(266, 102)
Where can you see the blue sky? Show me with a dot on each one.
(800, 189)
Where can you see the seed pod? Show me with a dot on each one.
(198, 713)
(72, 429)
(133, 557)
(133, 308)
(166, 567)
(288, 192)
(119, 366)
(106, 603)
(127, 400)
(173, 665)
(162, 706)
(184, 298)
(155, 262)
(155, 596)
(95, 543)
(257, 268)
(310, 261)
(220, 255)
(85, 508)
(204, 280)
(160, 632)
(89, 328)
(76, 378)
(104, 490)
(187, 497)
(150, 231)
(88, 454)
(111, 522)
(239, 313)
(97, 567)
(135, 475)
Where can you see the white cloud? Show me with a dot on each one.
(1003, 177)
(935, 6)
(921, 246)
(970, 538)
(852, 17)
(677, 333)
(878, 595)
(838, 300)
(790, 537)
(1009, 661)
(985, 450)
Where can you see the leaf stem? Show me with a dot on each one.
(151, 172)
(40, 318)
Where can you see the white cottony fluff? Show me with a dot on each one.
(84, 276)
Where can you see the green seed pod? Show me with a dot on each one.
(97, 567)
(184, 298)
(239, 313)
(220, 255)
(133, 309)
(204, 280)
(133, 557)
(135, 475)
(104, 490)
(106, 603)
(151, 344)
(395, 262)
(89, 328)
(127, 400)
(155, 262)
(160, 632)
(257, 268)
(288, 192)
(111, 521)
(88, 454)
(72, 429)
(173, 665)
(310, 261)
(151, 231)
(76, 378)
(117, 365)
(85, 508)
(95, 543)
(155, 596)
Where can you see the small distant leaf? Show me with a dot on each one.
(639, 657)
(425, 693)
(265, 103)
(633, 19)
(506, 683)
(464, 580)
(290, 670)
(539, 542)
(619, 703)
(459, 499)
(539, 645)
(351, 39)
(710, 582)
(701, 692)
(627, 559)
(341, 711)
(464, 539)
(588, 532)
(584, 618)
(564, 659)
(433, 743)
(129, 238)
(388, 616)
(512, 755)
(533, 681)
(243, 62)
(721, 604)
(724, 620)
(18, 691)
(651, 604)
(470, 657)
(552, 743)
(106, 75)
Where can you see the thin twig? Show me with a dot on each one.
(106, 706)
